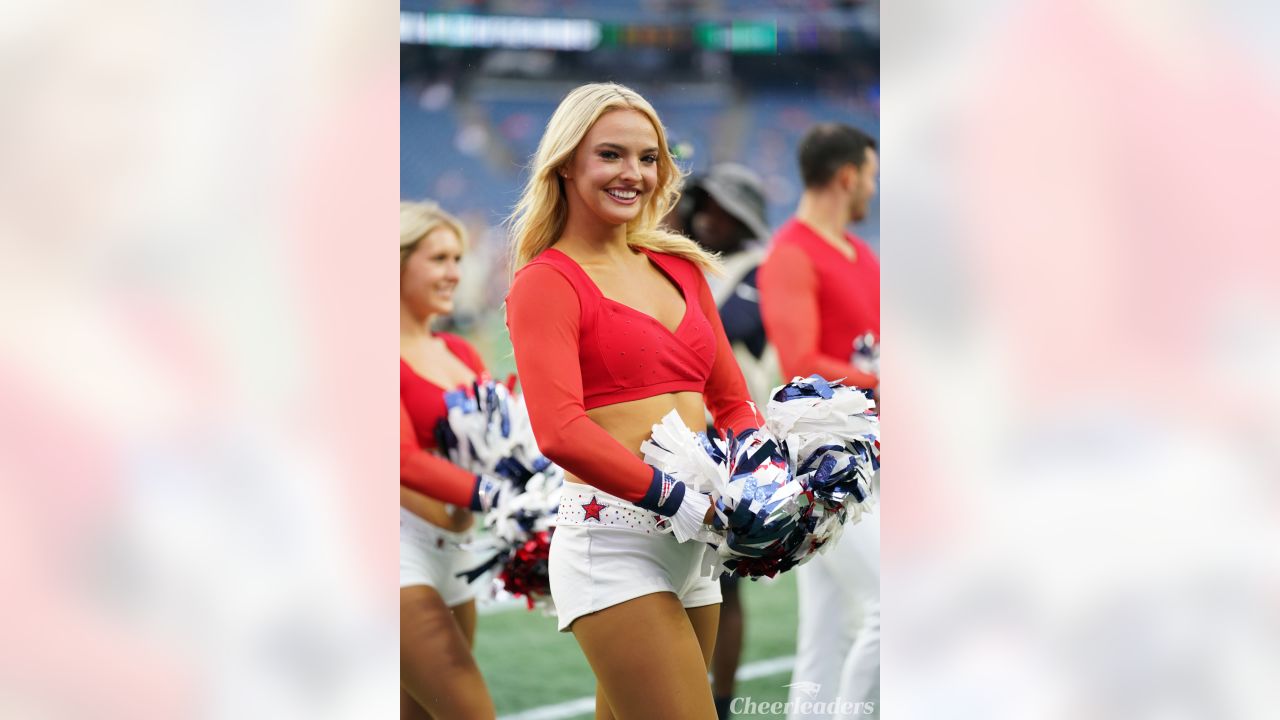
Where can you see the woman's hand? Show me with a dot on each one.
(488, 492)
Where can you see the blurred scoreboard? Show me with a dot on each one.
(798, 34)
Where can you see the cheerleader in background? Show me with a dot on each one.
(438, 675)
(820, 294)
(613, 326)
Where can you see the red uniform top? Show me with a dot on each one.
(421, 409)
(815, 302)
(576, 349)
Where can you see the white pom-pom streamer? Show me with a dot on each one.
(675, 450)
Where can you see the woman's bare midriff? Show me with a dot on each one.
(631, 422)
(435, 512)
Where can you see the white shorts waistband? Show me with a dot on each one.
(415, 527)
(585, 505)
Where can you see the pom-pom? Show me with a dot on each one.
(525, 572)
(866, 354)
(487, 431)
(785, 491)
(832, 437)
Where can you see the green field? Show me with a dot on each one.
(527, 664)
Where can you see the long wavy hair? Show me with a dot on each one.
(539, 217)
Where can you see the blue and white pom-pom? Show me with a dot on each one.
(487, 431)
(866, 354)
(806, 473)
(832, 437)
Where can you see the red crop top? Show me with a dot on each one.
(576, 349)
(815, 301)
(421, 409)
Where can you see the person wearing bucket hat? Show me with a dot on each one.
(728, 208)
(725, 213)
(820, 295)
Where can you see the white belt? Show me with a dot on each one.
(426, 534)
(584, 505)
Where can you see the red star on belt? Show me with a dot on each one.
(593, 509)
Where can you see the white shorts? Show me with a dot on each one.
(430, 555)
(597, 564)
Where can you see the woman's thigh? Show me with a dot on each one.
(410, 709)
(436, 666)
(649, 658)
(465, 615)
(706, 623)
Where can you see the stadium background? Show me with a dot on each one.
(732, 80)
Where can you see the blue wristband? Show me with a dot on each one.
(485, 494)
(664, 496)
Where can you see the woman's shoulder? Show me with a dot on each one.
(549, 270)
(542, 285)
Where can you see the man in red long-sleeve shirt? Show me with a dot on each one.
(819, 295)
(820, 286)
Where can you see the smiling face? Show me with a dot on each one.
(614, 170)
(430, 273)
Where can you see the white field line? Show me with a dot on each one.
(584, 705)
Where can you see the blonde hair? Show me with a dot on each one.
(420, 219)
(540, 215)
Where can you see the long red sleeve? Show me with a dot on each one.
(726, 395)
(789, 306)
(543, 316)
(429, 474)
